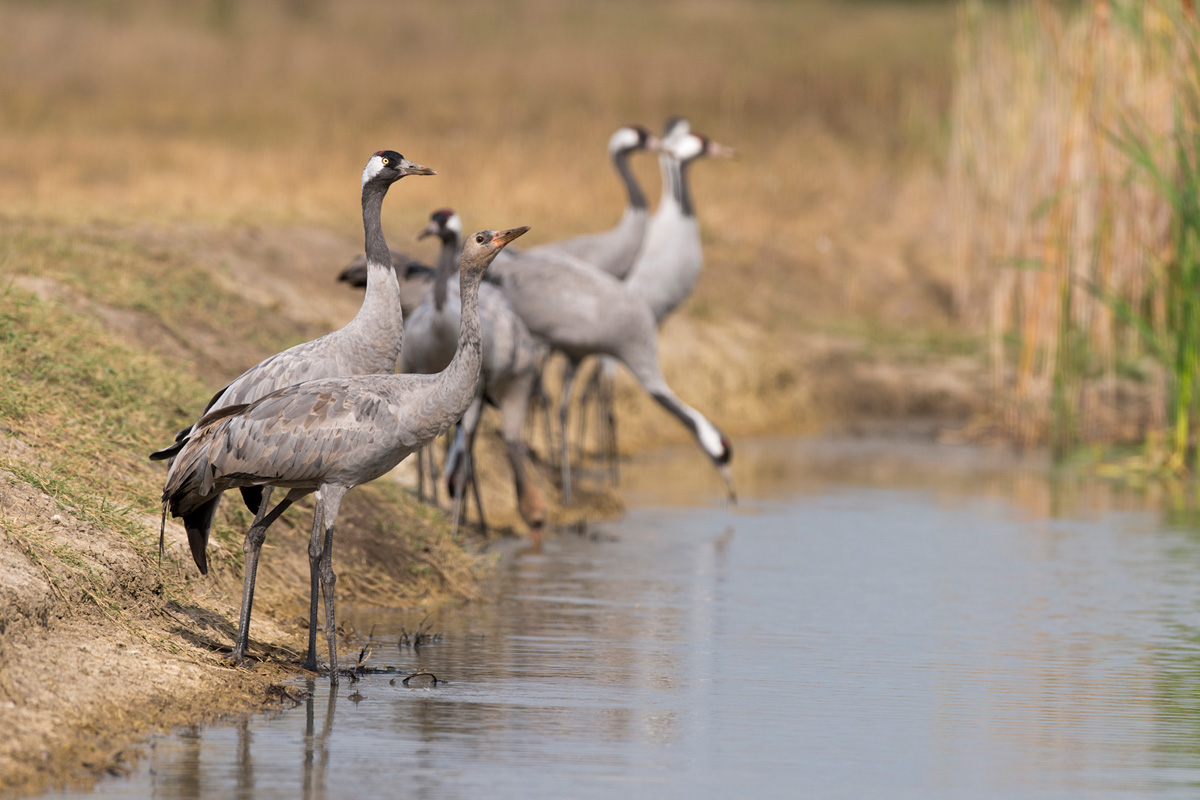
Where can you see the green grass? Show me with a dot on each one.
(130, 272)
(91, 407)
(1172, 169)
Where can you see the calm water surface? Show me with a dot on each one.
(874, 620)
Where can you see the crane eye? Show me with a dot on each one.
(385, 161)
(479, 239)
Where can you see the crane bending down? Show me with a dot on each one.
(327, 436)
(369, 343)
(613, 251)
(511, 358)
(669, 263)
(582, 312)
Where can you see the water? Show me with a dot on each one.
(875, 620)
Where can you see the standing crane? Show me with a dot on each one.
(511, 360)
(667, 266)
(369, 343)
(327, 436)
(671, 259)
(613, 251)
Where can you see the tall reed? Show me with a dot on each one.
(1073, 183)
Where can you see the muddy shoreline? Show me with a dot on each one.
(86, 681)
(98, 654)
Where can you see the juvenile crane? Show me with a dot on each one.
(328, 436)
(369, 343)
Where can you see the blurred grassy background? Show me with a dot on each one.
(241, 114)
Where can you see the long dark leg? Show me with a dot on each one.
(539, 403)
(458, 459)
(314, 595)
(513, 404)
(421, 474)
(608, 423)
(587, 397)
(564, 404)
(251, 547)
(330, 498)
(456, 462)
(470, 463)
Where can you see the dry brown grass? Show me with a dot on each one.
(262, 114)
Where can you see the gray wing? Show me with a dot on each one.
(340, 430)
(613, 251)
(509, 348)
(576, 309)
(430, 336)
(303, 362)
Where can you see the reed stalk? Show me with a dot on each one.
(1074, 183)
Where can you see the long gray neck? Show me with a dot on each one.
(675, 184)
(637, 199)
(380, 320)
(372, 206)
(447, 261)
(683, 193)
(707, 435)
(461, 377)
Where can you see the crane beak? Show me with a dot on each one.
(504, 237)
(409, 168)
(727, 474)
(653, 144)
(429, 230)
(719, 150)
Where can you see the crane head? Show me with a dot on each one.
(483, 246)
(388, 166)
(629, 138)
(691, 146)
(443, 223)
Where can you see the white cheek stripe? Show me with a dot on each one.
(372, 169)
(689, 148)
(623, 139)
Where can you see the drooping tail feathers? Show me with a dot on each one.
(189, 491)
(197, 523)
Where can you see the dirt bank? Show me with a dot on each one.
(99, 646)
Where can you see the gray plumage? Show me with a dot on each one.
(414, 276)
(511, 357)
(614, 250)
(669, 265)
(369, 343)
(582, 312)
(328, 436)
